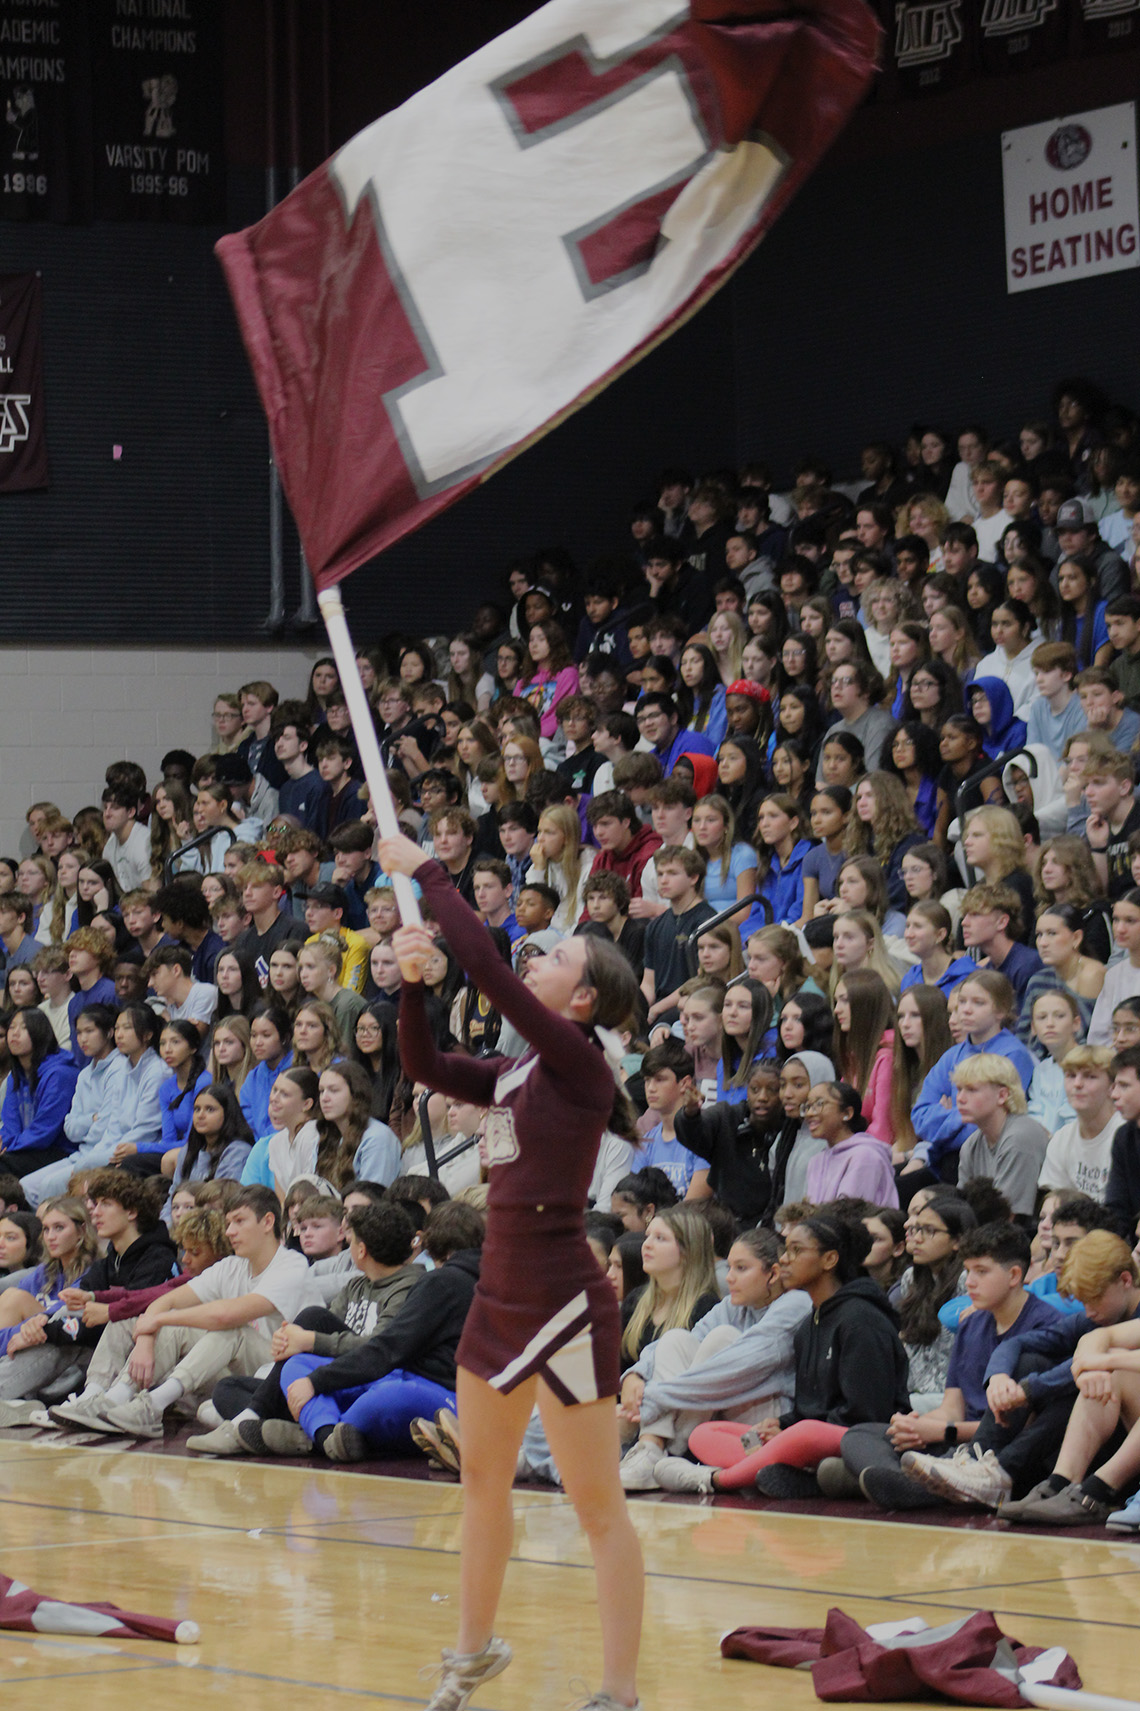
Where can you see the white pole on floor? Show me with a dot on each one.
(1068, 1699)
(332, 611)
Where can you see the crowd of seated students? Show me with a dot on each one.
(848, 774)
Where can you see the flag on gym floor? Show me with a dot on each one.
(28, 1612)
(483, 260)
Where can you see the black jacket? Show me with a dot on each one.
(422, 1338)
(150, 1259)
(737, 1156)
(1122, 1196)
(851, 1367)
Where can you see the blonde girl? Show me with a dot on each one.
(231, 1055)
(727, 636)
(731, 872)
(680, 1286)
(718, 953)
(858, 943)
(775, 959)
(64, 919)
(559, 859)
(952, 641)
(928, 518)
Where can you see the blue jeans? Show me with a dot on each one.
(382, 1411)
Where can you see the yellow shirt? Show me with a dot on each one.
(356, 949)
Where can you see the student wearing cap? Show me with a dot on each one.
(747, 706)
(253, 800)
(1077, 533)
(324, 913)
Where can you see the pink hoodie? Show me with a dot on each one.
(859, 1166)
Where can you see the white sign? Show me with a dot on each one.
(1070, 198)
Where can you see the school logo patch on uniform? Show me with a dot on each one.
(501, 1142)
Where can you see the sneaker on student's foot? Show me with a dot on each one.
(208, 1416)
(138, 1418)
(674, 1473)
(277, 1437)
(603, 1702)
(1126, 1520)
(891, 1488)
(346, 1443)
(85, 1411)
(779, 1479)
(426, 1436)
(24, 1413)
(835, 1480)
(636, 1470)
(222, 1441)
(970, 1475)
(461, 1674)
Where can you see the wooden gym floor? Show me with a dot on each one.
(321, 1589)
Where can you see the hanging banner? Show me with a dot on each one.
(44, 171)
(930, 45)
(1016, 35)
(1108, 25)
(23, 445)
(1070, 198)
(158, 110)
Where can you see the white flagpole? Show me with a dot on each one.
(332, 611)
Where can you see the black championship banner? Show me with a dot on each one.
(1108, 25)
(1014, 35)
(23, 446)
(929, 46)
(45, 136)
(157, 73)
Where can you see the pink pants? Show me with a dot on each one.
(717, 1444)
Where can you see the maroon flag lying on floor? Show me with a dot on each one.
(968, 1660)
(28, 1612)
(484, 259)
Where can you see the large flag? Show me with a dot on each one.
(484, 259)
(29, 1612)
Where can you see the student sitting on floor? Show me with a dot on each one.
(996, 1258)
(849, 1363)
(224, 1320)
(381, 1238)
(365, 1398)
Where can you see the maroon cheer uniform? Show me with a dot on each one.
(541, 1306)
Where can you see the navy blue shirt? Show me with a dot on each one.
(306, 799)
(977, 1338)
(103, 992)
(1019, 967)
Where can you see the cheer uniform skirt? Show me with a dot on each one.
(542, 1307)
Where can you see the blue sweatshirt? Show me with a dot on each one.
(36, 1118)
(943, 1130)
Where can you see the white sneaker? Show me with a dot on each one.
(85, 1411)
(138, 1418)
(970, 1475)
(224, 1440)
(24, 1413)
(636, 1471)
(461, 1674)
(674, 1473)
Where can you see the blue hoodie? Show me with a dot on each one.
(784, 886)
(943, 1130)
(35, 1118)
(1005, 733)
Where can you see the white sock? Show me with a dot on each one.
(246, 1414)
(123, 1391)
(165, 1395)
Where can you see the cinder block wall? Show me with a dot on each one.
(66, 713)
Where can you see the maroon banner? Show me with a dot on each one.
(484, 259)
(23, 443)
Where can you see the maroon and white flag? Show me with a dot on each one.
(28, 1612)
(484, 259)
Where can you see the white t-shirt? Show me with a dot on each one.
(462, 1172)
(199, 1006)
(1078, 1165)
(129, 862)
(989, 531)
(286, 1281)
(289, 1159)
